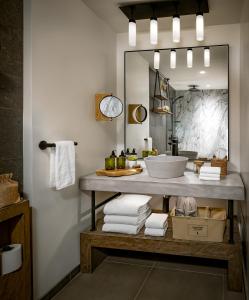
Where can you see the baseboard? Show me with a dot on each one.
(60, 285)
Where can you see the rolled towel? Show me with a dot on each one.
(122, 228)
(157, 221)
(155, 231)
(127, 205)
(210, 170)
(129, 220)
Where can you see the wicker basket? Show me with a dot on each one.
(222, 163)
(8, 190)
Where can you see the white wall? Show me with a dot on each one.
(137, 92)
(69, 56)
(214, 35)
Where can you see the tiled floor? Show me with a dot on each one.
(139, 279)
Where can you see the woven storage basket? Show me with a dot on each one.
(8, 190)
(222, 163)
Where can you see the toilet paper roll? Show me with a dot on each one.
(11, 258)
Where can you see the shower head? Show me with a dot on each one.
(177, 98)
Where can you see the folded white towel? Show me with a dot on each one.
(209, 178)
(155, 231)
(122, 228)
(62, 165)
(129, 220)
(210, 175)
(127, 205)
(210, 170)
(157, 221)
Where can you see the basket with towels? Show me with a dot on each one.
(210, 173)
(126, 214)
(156, 224)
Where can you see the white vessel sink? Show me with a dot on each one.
(166, 166)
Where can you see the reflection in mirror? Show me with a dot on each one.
(111, 107)
(139, 114)
(195, 112)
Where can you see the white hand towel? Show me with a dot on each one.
(155, 231)
(157, 221)
(129, 220)
(210, 170)
(209, 178)
(62, 165)
(122, 228)
(127, 205)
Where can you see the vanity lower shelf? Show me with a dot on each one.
(93, 243)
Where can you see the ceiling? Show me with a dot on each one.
(215, 77)
(221, 12)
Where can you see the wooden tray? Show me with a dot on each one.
(119, 172)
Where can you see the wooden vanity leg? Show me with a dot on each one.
(166, 203)
(93, 225)
(85, 255)
(235, 273)
(231, 223)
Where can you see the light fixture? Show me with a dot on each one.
(208, 85)
(172, 59)
(207, 57)
(189, 58)
(156, 59)
(132, 33)
(202, 72)
(199, 27)
(153, 31)
(176, 28)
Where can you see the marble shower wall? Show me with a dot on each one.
(203, 122)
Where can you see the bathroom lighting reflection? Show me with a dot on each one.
(172, 59)
(156, 60)
(189, 58)
(207, 57)
(202, 72)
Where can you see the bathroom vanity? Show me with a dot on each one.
(229, 189)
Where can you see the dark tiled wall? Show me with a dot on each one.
(11, 87)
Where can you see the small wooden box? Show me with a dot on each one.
(222, 163)
(208, 226)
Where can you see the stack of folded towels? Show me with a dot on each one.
(210, 173)
(156, 224)
(126, 213)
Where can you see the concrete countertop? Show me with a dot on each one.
(230, 187)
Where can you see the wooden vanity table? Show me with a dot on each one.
(229, 188)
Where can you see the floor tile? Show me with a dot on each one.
(108, 281)
(179, 285)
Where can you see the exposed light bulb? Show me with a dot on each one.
(132, 33)
(199, 27)
(156, 60)
(172, 59)
(189, 58)
(207, 57)
(176, 28)
(153, 31)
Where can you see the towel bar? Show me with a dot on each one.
(44, 145)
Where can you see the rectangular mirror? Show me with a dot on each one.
(189, 102)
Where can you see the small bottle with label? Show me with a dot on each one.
(121, 160)
(132, 159)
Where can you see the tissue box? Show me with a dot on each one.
(8, 190)
(209, 225)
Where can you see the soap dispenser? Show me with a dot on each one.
(132, 159)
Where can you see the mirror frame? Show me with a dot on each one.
(179, 48)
